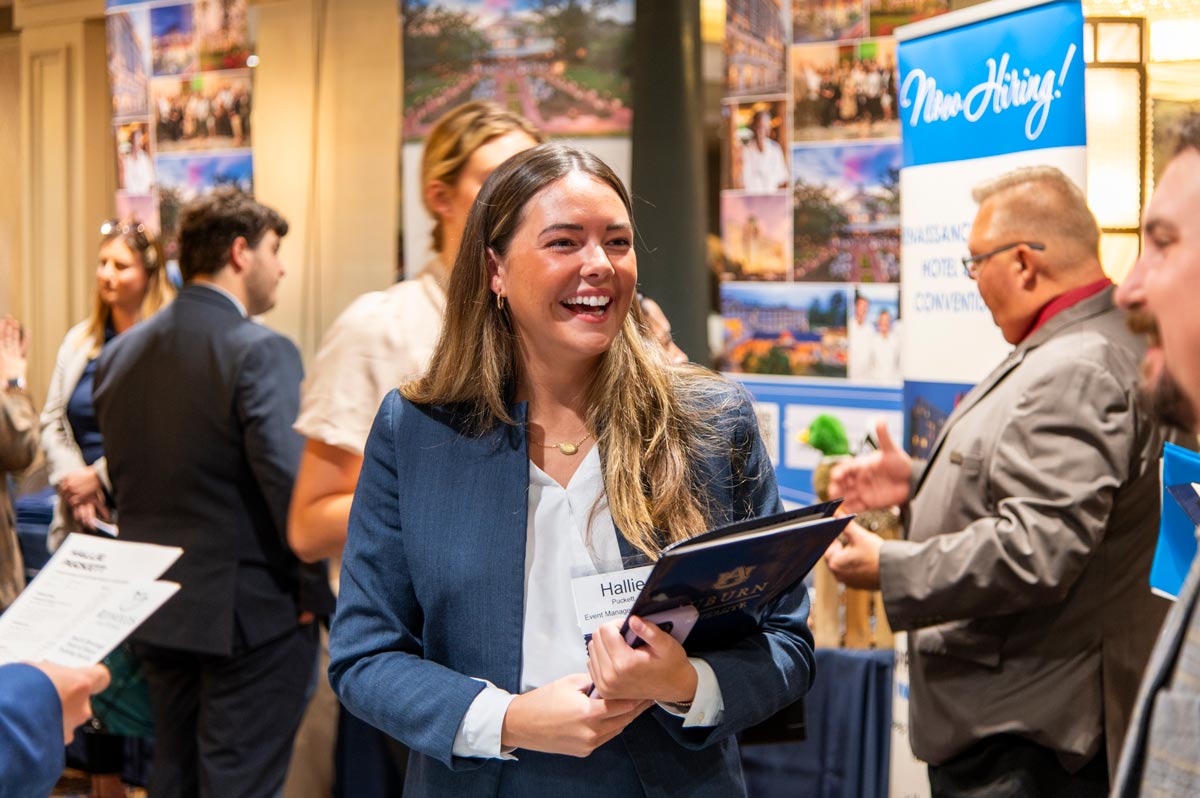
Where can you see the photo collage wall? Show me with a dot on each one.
(810, 216)
(181, 101)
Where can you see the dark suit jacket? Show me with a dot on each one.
(31, 749)
(196, 406)
(432, 594)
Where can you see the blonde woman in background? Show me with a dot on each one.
(131, 285)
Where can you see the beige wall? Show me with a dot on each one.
(10, 165)
(66, 169)
(326, 149)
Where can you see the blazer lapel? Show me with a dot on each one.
(1092, 306)
(977, 393)
(506, 492)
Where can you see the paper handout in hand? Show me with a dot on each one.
(93, 593)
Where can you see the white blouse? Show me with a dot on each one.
(559, 546)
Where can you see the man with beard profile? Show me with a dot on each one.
(1161, 756)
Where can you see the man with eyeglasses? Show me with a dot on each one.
(1023, 578)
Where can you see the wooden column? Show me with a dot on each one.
(67, 175)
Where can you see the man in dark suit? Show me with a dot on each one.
(196, 407)
(1162, 750)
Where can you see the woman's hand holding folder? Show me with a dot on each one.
(658, 670)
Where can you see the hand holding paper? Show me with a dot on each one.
(92, 594)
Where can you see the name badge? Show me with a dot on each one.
(601, 598)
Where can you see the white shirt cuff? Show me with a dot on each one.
(479, 733)
(708, 706)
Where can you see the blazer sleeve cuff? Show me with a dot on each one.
(479, 733)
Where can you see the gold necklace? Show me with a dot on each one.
(566, 447)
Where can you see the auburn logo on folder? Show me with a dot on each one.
(733, 578)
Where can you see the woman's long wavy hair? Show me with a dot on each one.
(653, 422)
(159, 291)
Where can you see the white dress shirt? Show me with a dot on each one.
(559, 546)
(765, 169)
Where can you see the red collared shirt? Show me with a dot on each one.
(1064, 301)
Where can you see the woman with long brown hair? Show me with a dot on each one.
(551, 438)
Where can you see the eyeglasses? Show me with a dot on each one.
(113, 228)
(137, 235)
(973, 263)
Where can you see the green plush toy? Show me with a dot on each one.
(827, 435)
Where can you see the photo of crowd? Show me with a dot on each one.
(135, 167)
(792, 330)
(565, 67)
(756, 159)
(845, 91)
(846, 200)
(755, 231)
(205, 112)
(172, 32)
(828, 20)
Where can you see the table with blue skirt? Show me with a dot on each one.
(849, 719)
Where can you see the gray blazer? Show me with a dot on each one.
(1024, 576)
(1162, 751)
(58, 442)
(18, 447)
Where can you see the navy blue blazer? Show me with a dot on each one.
(31, 746)
(432, 594)
(196, 406)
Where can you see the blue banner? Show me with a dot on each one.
(1003, 85)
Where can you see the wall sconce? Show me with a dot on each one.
(1115, 49)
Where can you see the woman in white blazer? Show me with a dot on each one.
(131, 284)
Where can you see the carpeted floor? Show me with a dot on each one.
(77, 784)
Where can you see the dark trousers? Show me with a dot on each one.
(370, 764)
(224, 725)
(1006, 766)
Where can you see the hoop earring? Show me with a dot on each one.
(500, 302)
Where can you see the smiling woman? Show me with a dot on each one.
(551, 438)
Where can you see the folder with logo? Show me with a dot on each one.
(733, 575)
(1180, 516)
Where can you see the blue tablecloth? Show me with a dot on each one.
(847, 751)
